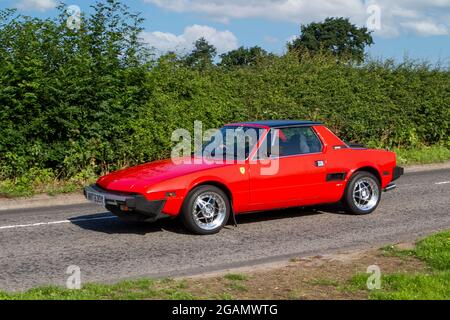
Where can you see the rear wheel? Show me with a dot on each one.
(362, 194)
(206, 210)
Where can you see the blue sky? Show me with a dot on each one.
(413, 28)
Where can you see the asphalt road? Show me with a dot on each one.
(37, 245)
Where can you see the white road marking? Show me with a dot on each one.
(54, 222)
(443, 182)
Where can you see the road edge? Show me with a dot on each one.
(44, 200)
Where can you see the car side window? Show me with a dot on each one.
(296, 141)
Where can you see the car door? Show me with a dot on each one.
(300, 170)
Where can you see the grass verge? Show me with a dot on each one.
(128, 290)
(431, 283)
(44, 181)
(423, 155)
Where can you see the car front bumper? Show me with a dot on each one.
(124, 204)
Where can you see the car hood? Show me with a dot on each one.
(138, 178)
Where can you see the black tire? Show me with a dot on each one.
(348, 199)
(187, 216)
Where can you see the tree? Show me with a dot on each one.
(67, 95)
(243, 57)
(202, 56)
(336, 35)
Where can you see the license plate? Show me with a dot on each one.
(96, 198)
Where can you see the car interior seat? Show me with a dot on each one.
(304, 147)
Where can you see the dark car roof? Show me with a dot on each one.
(278, 123)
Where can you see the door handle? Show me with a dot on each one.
(320, 163)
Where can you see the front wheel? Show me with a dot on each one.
(362, 194)
(206, 210)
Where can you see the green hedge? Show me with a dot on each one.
(75, 102)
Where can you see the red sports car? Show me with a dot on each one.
(279, 164)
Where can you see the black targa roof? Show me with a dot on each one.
(279, 123)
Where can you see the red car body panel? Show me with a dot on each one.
(298, 182)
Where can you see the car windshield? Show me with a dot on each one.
(230, 142)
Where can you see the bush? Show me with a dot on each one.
(93, 100)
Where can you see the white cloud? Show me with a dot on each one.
(224, 41)
(289, 10)
(423, 17)
(427, 28)
(39, 5)
(291, 39)
(271, 39)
